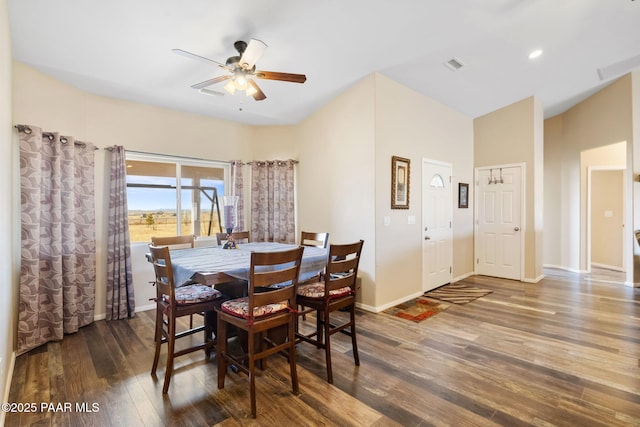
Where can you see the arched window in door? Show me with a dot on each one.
(437, 181)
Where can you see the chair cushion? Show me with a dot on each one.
(191, 294)
(240, 307)
(316, 290)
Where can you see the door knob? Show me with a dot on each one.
(516, 229)
(427, 238)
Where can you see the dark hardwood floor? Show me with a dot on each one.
(562, 352)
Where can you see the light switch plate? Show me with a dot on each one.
(411, 219)
(386, 220)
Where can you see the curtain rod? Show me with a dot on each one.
(168, 155)
(63, 139)
(295, 162)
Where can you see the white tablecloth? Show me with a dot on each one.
(237, 262)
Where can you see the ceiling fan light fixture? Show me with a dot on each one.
(251, 91)
(230, 87)
(241, 70)
(240, 78)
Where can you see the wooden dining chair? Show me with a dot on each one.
(173, 302)
(336, 291)
(318, 240)
(176, 242)
(270, 309)
(238, 236)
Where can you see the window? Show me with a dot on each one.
(437, 181)
(173, 196)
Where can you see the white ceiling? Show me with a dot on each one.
(122, 49)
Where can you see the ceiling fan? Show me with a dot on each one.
(241, 68)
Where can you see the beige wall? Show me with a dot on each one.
(603, 119)
(8, 225)
(336, 177)
(607, 218)
(513, 135)
(410, 125)
(555, 253)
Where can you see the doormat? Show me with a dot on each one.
(417, 309)
(457, 293)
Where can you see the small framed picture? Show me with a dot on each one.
(400, 182)
(463, 195)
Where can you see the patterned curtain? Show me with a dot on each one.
(237, 189)
(120, 297)
(58, 253)
(273, 201)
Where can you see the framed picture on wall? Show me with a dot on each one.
(400, 169)
(463, 195)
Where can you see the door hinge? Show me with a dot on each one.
(450, 269)
(477, 260)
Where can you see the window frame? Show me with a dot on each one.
(179, 162)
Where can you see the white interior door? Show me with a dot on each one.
(499, 224)
(437, 211)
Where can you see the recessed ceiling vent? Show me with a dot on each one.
(454, 64)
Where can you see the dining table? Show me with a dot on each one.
(212, 265)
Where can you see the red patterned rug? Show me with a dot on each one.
(417, 309)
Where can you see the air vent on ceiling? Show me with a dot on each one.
(454, 64)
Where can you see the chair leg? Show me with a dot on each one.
(292, 354)
(171, 342)
(319, 326)
(252, 373)
(221, 351)
(327, 346)
(157, 339)
(354, 343)
(209, 324)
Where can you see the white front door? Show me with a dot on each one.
(437, 235)
(499, 223)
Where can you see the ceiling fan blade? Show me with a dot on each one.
(258, 95)
(285, 77)
(252, 53)
(197, 57)
(211, 92)
(210, 82)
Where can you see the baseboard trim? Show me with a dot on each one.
(389, 305)
(146, 307)
(560, 267)
(366, 307)
(462, 277)
(536, 280)
(103, 316)
(607, 267)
